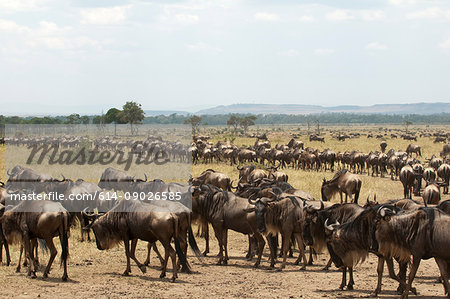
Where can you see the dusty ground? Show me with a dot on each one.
(98, 274)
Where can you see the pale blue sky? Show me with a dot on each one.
(62, 56)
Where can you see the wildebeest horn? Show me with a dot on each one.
(145, 180)
(233, 187)
(368, 198)
(238, 167)
(275, 195)
(328, 227)
(92, 216)
(64, 178)
(8, 173)
(251, 201)
(322, 206)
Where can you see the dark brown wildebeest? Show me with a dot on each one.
(113, 179)
(246, 155)
(250, 173)
(383, 146)
(445, 150)
(45, 220)
(132, 220)
(295, 144)
(314, 229)
(351, 242)
(3, 242)
(276, 175)
(281, 216)
(210, 176)
(422, 234)
(431, 195)
(444, 206)
(28, 179)
(225, 211)
(406, 204)
(408, 179)
(429, 175)
(328, 157)
(315, 137)
(342, 182)
(444, 173)
(413, 148)
(435, 162)
(440, 139)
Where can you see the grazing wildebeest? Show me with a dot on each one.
(351, 242)
(224, 210)
(218, 179)
(342, 182)
(276, 175)
(422, 234)
(444, 173)
(431, 195)
(413, 148)
(132, 220)
(408, 179)
(281, 216)
(45, 220)
(250, 173)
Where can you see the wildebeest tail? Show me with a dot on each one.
(65, 237)
(178, 249)
(193, 243)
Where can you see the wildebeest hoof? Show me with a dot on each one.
(126, 273)
(17, 269)
(303, 268)
(279, 269)
(143, 269)
(350, 287)
(325, 269)
(146, 263)
(65, 278)
(162, 275)
(204, 253)
(45, 275)
(173, 278)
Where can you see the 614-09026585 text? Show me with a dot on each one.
(55, 196)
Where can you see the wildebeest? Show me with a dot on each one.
(342, 182)
(413, 148)
(408, 179)
(383, 146)
(224, 210)
(132, 220)
(422, 234)
(250, 173)
(444, 173)
(45, 220)
(28, 179)
(3, 242)
(351, 242)
(431, 195)
(113, 179)
(276, 175)
(429, 175)
(218, 179)
(281, 216)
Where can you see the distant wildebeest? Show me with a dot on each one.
(45, 220)
(444, 173)
(3, 242)
(315, 137)
(413, 148)
(210, 176)
(422, 234)
(250, 173)
(429, 175)
(383, 146)
(445, 150)
(113, 179)
(408, 179)
(342, 182)
(440, 139)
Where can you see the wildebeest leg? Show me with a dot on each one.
(344, 278)
(35, 247)
(340, 194)
(443, 268)
(286, 241)
(219, 236)
(301, 248)
(126, 244)
(29, 255)
(205, 228)
(401, 276)
(351, 282)
(8, 257)
(169, 252)
(311, 250)
(328, 265)
(149, 250)
(412, 273)
(53, 252)
(380, 268)
(20, 258)
(261, 243)
(225, 245)
(133, 256)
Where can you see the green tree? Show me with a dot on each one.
(73, 119)
(115, 116)
(133, 114)
(407, 124)
(85, 120)
(194, 121)
(97, 120)
(246, 122)
(234, 121)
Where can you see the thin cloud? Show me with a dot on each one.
(340, 15)
(104, 15)
(203, 47)
(429, 13)
(376, 46)
(445, 44)
(321, 51)
(186, 19)
(289, 53)
(307, 19)
(264, 16)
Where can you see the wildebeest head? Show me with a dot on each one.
(105, 236)
(310, 222)
(261, 206)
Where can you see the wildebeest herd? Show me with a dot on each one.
(262, 204)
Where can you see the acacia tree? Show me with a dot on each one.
(194, 121)
(407, 124)
(133, 114)
(234, 122)
(246, 122)
(115, 116)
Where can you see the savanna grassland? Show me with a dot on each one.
(95, 273)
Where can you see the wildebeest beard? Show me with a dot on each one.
(211, 203)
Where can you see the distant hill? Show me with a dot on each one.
(417, 108)
(164, 112)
